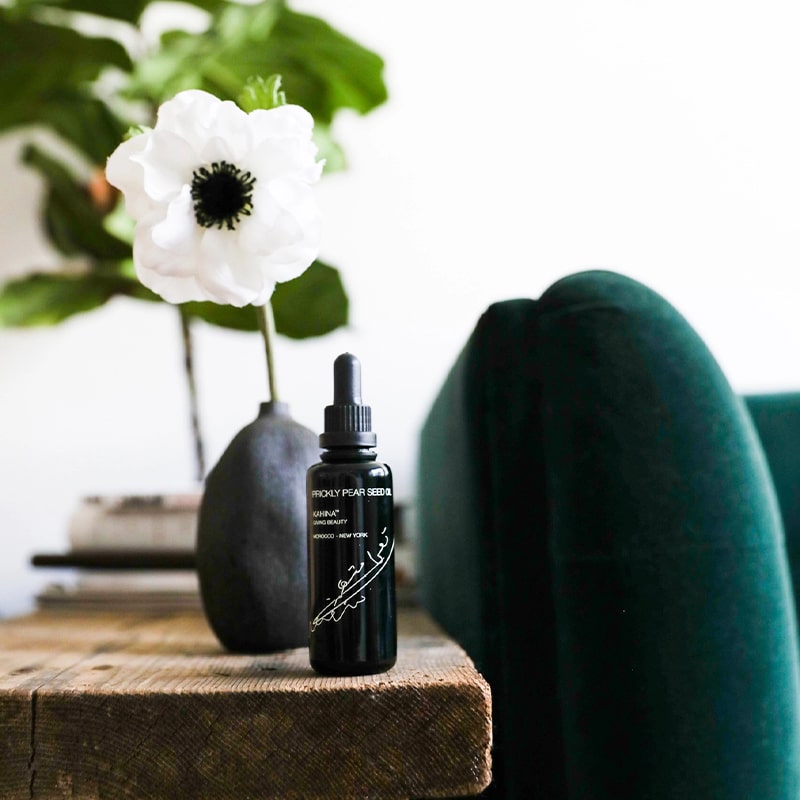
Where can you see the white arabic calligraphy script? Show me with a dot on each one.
(351, 592)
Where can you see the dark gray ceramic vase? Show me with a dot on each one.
(252, 560)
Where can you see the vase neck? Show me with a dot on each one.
(273, 408)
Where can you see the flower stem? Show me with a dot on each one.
(266, 322)
(188, 364)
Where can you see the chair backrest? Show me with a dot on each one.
(777, 419)
(599, 529)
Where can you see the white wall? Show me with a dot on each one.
(521, 143)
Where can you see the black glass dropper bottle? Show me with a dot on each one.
(352, 617)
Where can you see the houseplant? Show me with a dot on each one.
(224, 210)
(88, 89)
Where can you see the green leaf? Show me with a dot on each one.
(313, 304)
(324, 70)
(238, 319)
(44, 66)
(73, 224)
(239, 24)
(47, 299)
(127, 10)
(84, 121)
(124, 10)
(163, 73)
(321, 69)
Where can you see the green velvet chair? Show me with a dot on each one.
(777, 420)
(598, 527)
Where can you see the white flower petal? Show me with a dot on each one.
(149, 254)
(265, 211)
(126, 174)
(226, 275)
(283, 144)
(298, 199)
(290, 261)
(168, 162)
(284, 231)
(178, 232)
(172, 289)
(218, 149)
(264, 295)
(190, 115)
(278, 158)
(174, 255)
(167, 274)
(288, 121)
(198, 116)
(233, 126)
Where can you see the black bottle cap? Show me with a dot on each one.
(348, 422)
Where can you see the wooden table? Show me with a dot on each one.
(136, 705)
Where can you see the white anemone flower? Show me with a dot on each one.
(222, 199)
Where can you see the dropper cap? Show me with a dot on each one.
(348, 422)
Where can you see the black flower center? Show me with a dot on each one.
(222, 194)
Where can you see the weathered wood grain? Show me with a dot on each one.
(136, 706)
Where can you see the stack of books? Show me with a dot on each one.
(131, 551)
(138, 551)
